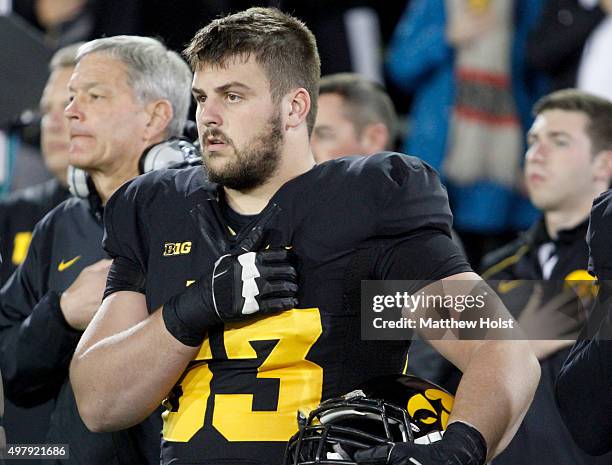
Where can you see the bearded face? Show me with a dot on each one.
(249, 166)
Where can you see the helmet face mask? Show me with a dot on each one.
(375, 415)
(339, 427)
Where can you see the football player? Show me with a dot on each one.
(233, 301)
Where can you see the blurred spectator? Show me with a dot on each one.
(67, 21)
(556, 43)
(26, 164)
(20, 212)
(464, 63)
(355, 117)
(24, 69)
(23, 209)
(352, 33)
(595, 69)
(568, 164)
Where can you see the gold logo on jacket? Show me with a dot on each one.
(582, 283)
(21, 244)
(65, 265)
(506, 285)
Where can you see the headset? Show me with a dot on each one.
(173, 153)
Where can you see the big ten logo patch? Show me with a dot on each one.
(176, 248)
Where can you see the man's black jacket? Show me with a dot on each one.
(36, 343)
(519, 261)
(19, 213)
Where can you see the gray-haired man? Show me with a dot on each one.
(127, 94)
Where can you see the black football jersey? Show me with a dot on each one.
(238, 399)
(600, 259)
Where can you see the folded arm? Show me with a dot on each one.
(125, 363)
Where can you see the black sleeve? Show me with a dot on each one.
(124, 275)
(125, 241)
(406, 195)
(123, 232)
(412, 206)
(36, 343)
(425, 255)
(6, 242)
(584, 385)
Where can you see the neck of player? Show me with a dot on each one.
(294, 162)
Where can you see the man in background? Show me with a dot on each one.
(20, 212)
(355, 117)
(24, 208)
(568, 164)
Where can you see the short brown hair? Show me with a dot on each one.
(597, 109)
(367, 102)
(281, 44)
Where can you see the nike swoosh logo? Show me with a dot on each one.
(63, 265)
(506, 286)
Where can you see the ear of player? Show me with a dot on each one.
(461, 444)
(244, 284)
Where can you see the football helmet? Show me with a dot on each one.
(387, 409)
